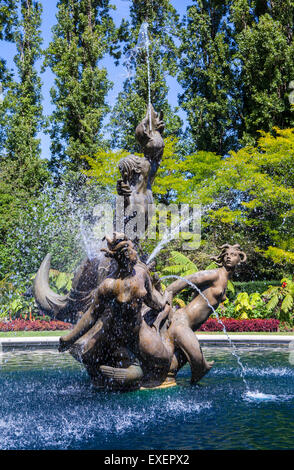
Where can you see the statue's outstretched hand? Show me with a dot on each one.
(123, 189)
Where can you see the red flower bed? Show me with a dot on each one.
(37, 325)
(233, 324)
(211, 324)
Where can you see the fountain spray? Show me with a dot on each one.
(143, 42)
(233, 347)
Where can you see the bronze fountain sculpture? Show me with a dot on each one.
(127, 333)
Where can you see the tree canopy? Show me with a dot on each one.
(234, 61)
(83, 35)
(130, 107)
(22, 171)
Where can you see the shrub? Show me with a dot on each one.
(254, 286)
(244, 307)
(280, 300)
(233, 324)
(14, 299)
(252, 306)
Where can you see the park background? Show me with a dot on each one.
(74, 86)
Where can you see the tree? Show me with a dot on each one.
(264, 50)
(206, 74)
(131, 104)
(56, 222)
(22, 171)
(7, 21)
(250, 199)
(236, 67)
(82, 36)
(177, 179)
(23, 104)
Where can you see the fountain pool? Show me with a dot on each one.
(48, 402)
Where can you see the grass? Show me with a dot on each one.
(20, 334)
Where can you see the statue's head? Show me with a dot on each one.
(122, 250)
(133, 165)
(230, 256)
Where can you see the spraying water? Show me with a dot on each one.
(91, 244)
(234, 350)
(167, 237)
(142, 43)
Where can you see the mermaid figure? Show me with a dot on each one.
(113, 326)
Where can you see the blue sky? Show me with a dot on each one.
(116, 74)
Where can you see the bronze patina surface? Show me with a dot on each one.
(127, 333)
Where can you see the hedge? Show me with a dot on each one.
(254, 286)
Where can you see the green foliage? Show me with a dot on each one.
(7, 19)
(206, 73)
(253, 286)
(235, 62)
(5, 284)
(235, 68)
(60, 282)
(245, 304)
(177, 178)
(83, 35)
(251, 196)
(17, 301)
(23, 173)
(53, 222)
(226, 309)
(13, 302)
(104, 167)
(180, 265)
(21, 111)
(264, 50)
(275, 302)
(280, 300)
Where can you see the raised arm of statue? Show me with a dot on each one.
(151, 141)
(198, 279)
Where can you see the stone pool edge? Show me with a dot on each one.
(48, 342)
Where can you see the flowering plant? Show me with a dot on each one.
(234, 324)
(36, 325)
(280, 300)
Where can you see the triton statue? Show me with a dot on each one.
(127, 333)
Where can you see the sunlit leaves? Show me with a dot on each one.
(253, 190)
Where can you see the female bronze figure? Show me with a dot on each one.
(178, 334)
(128, 334)
(185, 321)
(113, 330)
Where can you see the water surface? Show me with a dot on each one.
(47, 402)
